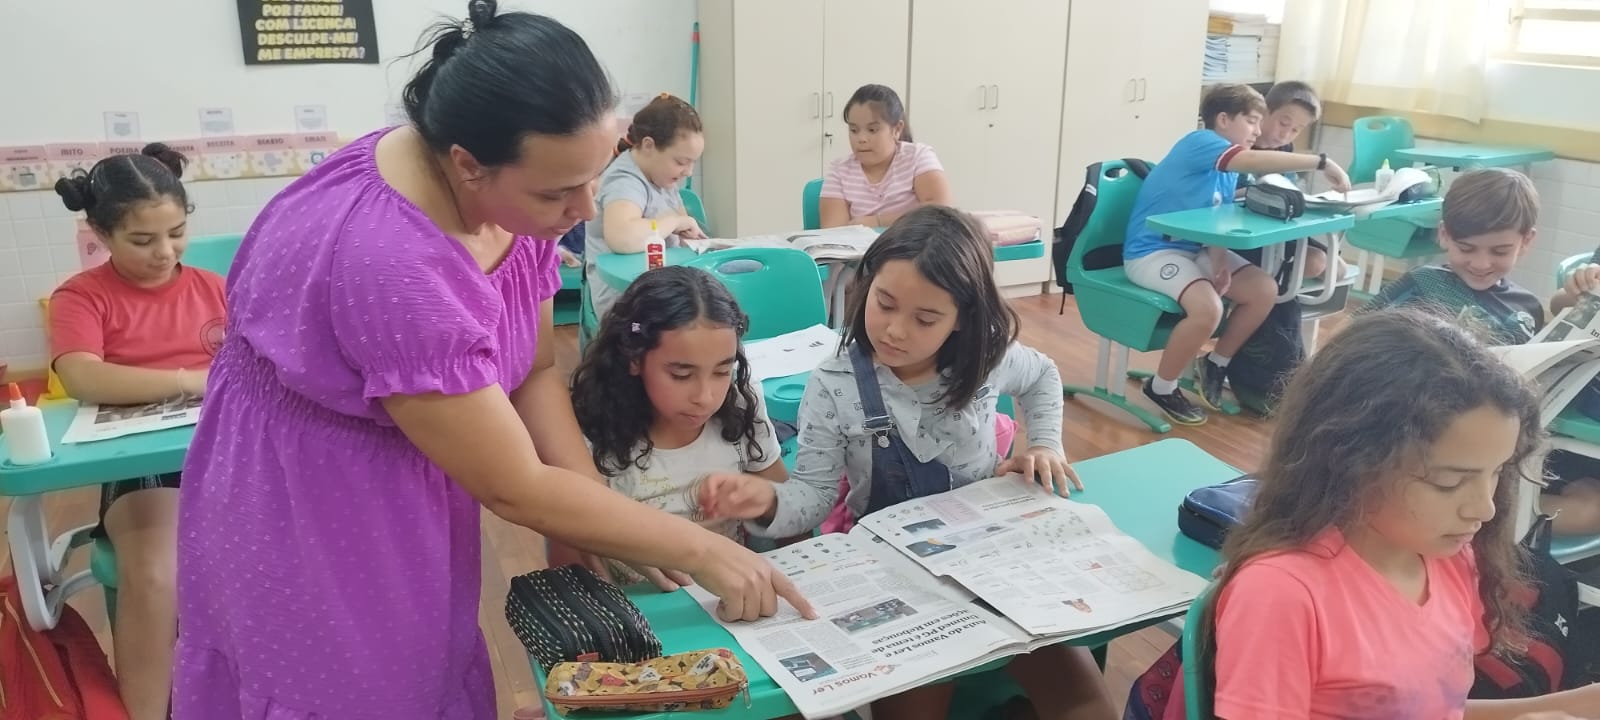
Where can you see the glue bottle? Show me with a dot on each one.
(655, 249)
(1385, 176)
(26, 440)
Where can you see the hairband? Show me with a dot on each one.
(635, 327)
(467, 28)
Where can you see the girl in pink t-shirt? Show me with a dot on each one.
(886, 174)
(1379, 557)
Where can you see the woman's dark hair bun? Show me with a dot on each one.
(481, 12)
(174, 160)
(74, 191)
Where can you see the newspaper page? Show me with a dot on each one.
(1579, 322)
(790, 353)
(841, 243)
(884, 625)
(104, 422)
(1052, 566)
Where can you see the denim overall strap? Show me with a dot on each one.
(897, 474)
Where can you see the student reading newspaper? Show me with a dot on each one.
(896, 596)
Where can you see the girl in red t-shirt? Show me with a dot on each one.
(140, 328)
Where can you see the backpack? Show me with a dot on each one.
(59, 674)
(1553, 644)
(1155, 688)
(1268, 358)
(1066, 236)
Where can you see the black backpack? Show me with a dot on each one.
(1067, 235)
(1552, 661)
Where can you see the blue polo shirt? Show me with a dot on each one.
(1190, 177)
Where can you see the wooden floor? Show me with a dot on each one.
(1090, 429)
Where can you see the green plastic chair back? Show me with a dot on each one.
(811, 205)
(1565, 268)
(213, 252)
(588, 320)
(695, 208)
(1376, 138)
(779, 288)
(1199, 677)
(1110, 304)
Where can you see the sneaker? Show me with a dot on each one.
(1208, 377)
(1176, 406)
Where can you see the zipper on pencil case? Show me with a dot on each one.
(675, 696)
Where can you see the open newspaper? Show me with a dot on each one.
(1563, 358)
(841, 243)
(932, 587)
(104, 422)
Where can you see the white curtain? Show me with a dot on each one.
(1405, 55)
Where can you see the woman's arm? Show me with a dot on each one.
(1582, 702)
(90, 379)
(544, 403)
(627, 229)
(478, 440)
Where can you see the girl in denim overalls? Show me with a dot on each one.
(907, 409)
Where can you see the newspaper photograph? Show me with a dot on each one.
(104, 422)
(1052, 566)
(884, 625)
(1579, 322)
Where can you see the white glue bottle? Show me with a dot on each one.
(1385, 176)
(27, 443)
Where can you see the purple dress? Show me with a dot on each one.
(326, 568)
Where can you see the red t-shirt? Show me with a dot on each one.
(177, 325)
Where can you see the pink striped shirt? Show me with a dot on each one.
(893, 194)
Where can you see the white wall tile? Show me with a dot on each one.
(64, 259)
(34, 260)
(30, 233)
(40, 286)
(7, 238)
(24, 206)
(62, 230)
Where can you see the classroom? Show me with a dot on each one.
(1056, 359)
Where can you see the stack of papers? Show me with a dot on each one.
(1240, 48)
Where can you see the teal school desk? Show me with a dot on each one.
(1140, 489)
(39, 561)
(1470, 157)
(1235, 228)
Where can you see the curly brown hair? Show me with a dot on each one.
(1388, 384)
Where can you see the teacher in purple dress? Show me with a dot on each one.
(387, 374)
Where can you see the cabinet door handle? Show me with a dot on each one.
(830, 104)
(995, 104)
(816, 105)
(1143, 86)
(983, 97)
(1131, 91)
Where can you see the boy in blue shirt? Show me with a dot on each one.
(1202, 170)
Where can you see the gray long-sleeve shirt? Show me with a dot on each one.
(833, 442)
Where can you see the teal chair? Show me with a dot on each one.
(1124, 315)
(811, 205)
(213, 252)
(1199, 659)
(695, 209)
(103, 566)
(1376, 139)
(779, 288)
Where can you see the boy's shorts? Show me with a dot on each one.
(1170, 272)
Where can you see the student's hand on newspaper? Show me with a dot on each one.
(1337, 177)
(689, 229)
(1044, 465)
(737, 496)
(747, 586)
(1585, 278)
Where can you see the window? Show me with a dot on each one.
(1553, 32)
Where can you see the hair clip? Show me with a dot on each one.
(635, 327)
(467, 28)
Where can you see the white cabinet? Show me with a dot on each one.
(774, 80)
(1132, 84)
(986, 93)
